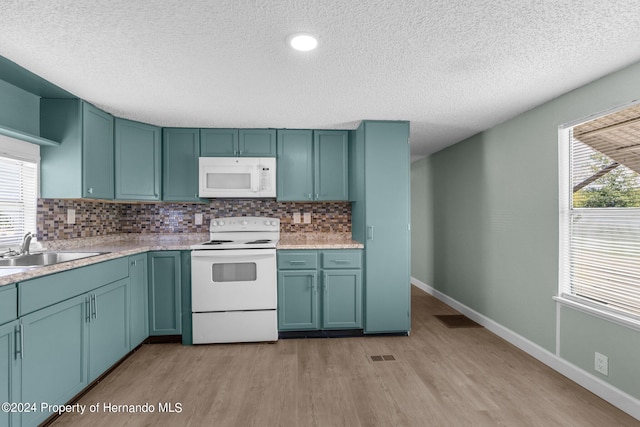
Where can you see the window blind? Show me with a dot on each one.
(18, 200)
(603, 233)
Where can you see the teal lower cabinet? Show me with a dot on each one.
(319, 290)
(187, 334)
(342, 299)
(10, 364)
(108, 326)
(68, 345)
(73, 326)
(8, 303)
(58, 333)
(297, 300)
(165, 293)
(138, 300)
(54, 355)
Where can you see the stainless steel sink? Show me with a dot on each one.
(44, 258)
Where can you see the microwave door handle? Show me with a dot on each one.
(255, 176)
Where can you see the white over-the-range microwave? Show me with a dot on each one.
(237, 177)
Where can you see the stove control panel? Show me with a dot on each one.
(244, 223)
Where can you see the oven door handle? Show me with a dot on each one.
(234, 253)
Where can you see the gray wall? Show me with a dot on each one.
(485, 229)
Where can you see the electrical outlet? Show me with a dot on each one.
(71, 216)
(296, 217)
(602, 364)
(198, 219)
(307, 218)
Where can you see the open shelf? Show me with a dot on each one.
(24, 136)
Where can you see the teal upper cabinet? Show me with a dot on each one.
(82, 166)
(238, 143)
(294, 165)
(257, 143)
(330, 161)
(137, 160)
(380, 164)
(313, 165)
(180, 152)
(218, 142)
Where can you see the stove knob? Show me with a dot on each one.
(214, 223)
(221, 223)
(273, 223)
(267, 222)
(244, 222)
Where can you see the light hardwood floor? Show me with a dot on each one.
(440, 377)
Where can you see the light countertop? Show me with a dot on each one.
(318, 241)
(117, 246)
(114, 247)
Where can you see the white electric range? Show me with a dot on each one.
(234, 281)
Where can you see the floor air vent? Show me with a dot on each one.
(384, 358)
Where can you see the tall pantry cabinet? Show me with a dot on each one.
(380, 191)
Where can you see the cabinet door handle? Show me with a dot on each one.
(370, 232)
(90, 190)
(317, 196)
(19, 343)
(340, 261)
(87, 310)
(94, 306)
(297, 262)
(309, 196)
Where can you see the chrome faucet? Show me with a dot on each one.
(26, 241)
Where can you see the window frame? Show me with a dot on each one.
(565, 198)
(26, 152)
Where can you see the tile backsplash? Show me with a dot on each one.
(97, 218)
(93, 218)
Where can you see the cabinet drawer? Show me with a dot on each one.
(8, 303)
(297, 260)
(48, 290)
(342, 259)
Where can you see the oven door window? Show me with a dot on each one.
(234, 272)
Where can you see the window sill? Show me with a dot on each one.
(602, 313)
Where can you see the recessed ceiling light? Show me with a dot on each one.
(303, 42)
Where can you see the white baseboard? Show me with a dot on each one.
(604, 390)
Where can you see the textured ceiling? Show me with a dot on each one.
(453, 68)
